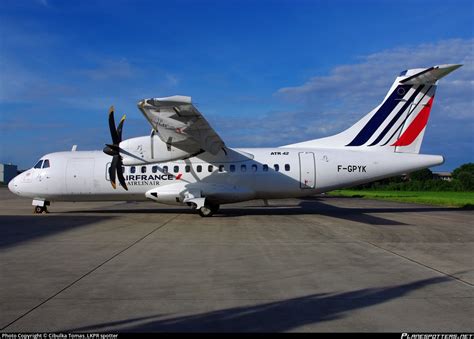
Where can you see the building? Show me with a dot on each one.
(7, 173)
(443, 176)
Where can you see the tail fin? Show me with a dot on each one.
(398, 123)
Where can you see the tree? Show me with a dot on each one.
(422, 175)
(469, 168)
(463, 177)
(466, 180)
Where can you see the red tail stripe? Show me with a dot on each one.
(416, 126)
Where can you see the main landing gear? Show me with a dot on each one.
(208, 210)
(40, 206)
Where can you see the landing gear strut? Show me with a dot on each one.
(208, 210)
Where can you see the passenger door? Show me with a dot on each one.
(307, 170)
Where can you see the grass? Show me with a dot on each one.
(450, 199)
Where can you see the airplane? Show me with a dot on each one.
(185, 162)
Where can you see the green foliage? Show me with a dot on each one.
(464, 177)
(469, 168)
(421, 175)
(422, 180)
(452, 199)
(466, 181)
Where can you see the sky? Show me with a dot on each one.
(263, 73)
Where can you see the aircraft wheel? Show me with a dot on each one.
(206, 211)
(39, 209)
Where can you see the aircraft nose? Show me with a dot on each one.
(13, 186)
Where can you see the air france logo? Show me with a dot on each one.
(147, 179)
(150, 179)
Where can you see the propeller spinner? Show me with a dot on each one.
(116, 167)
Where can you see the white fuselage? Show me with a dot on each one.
(239, 175)
(184, 161)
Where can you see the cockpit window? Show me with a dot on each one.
(39, 164)
(46, 163)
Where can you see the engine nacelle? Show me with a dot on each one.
(180, 193)
(149, 149)
(172, 194)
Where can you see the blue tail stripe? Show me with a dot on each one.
(397, 116)
(408, 115)
(379, 117)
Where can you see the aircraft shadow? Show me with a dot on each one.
(278, 316)
(308, 206)
(18, 229)
(362, 215)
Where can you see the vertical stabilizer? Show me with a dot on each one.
(398, 124)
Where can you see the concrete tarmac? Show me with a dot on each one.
(300, 265)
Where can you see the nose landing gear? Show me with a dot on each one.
(41, 206)
(40, 209)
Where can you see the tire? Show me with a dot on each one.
(39, 209)
(206, 211)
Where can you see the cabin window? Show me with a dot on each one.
(39, 164)
(287, 167)
(187, 168)
(154, 169)
(210, 168)
(221, 168)
(123, 169)
(265, 168)
(243, 168)
(176, 169)
(165, 169)
(46, 163)
(232, 168)
(276, 167)
(199, 168)
(132, 169)
(143, 169)
(254, 168)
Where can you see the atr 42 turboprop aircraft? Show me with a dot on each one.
(184, 161)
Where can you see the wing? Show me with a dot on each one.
(180, 124)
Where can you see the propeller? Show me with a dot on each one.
(116, 167)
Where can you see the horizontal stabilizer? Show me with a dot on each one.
(429, 75)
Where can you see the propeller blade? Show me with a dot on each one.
(109, 150)
(113, 130)
(119, 128)
(113, 170)
(115, 149)
(116, 167)
(120, 174)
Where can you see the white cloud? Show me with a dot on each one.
(358, 85)
(352, 90)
